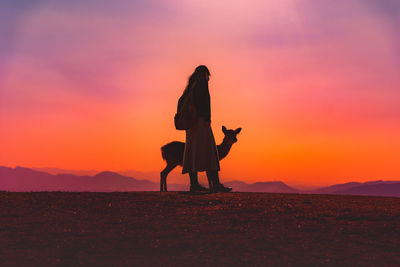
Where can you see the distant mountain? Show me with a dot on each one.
(373, 188)
(387, 189)
(381, 182)
(335, 188)
(24, 179)
(173, 177)
(270, 187)
(66, 171)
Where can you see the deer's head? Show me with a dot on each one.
(230, 135)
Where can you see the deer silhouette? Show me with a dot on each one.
(172, 153)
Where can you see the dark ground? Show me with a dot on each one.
(180, 229)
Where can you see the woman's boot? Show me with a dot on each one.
(211, 182)
(194, 183)
(217, 186)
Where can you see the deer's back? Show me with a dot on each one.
(173, 152)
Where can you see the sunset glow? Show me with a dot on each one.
(94, 85)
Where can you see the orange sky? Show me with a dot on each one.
(315, 86)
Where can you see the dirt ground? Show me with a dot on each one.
(182, 229)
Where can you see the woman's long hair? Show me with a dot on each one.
(199, 73)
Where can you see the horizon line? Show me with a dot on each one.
(235, 180)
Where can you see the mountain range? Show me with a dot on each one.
(21, 179)
(24, 179)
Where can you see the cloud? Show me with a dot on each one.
(89, 45)
(12, 17)
(63, 25)
(132, 9)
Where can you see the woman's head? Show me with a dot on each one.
(201, 72)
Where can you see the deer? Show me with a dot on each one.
(172, 153)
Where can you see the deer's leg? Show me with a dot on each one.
(164, 173)
(161, 182)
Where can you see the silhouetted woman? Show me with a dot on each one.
(200, 152)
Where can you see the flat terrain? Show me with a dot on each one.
(181, 229)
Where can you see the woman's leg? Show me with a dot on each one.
(217, 186)
(194, 183)
(211, 182)
(193, 178)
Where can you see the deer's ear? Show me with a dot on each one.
(224, 129)
(238, 130)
